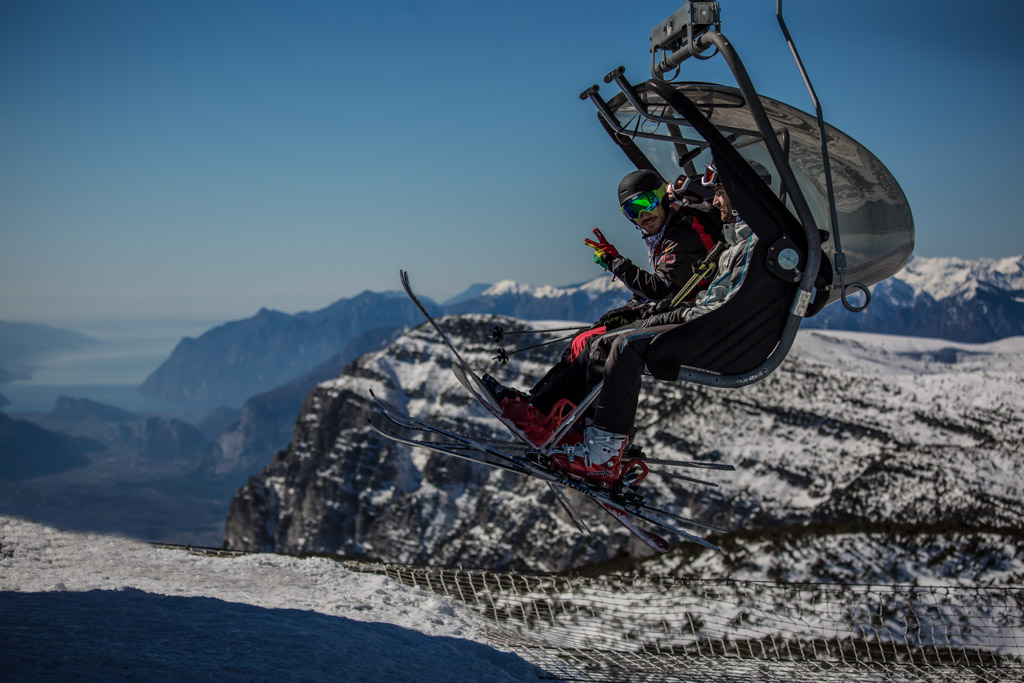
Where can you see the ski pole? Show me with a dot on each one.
(702, 270)
(502, 355)
(499, 334)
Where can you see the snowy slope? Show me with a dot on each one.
(923, 557)
(100, 607)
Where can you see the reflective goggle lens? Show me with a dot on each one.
(642, 203)
(710, 175)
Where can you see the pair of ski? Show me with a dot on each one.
(524, 458)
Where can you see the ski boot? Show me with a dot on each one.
(598, 458)
(500, 392)
(538, 426)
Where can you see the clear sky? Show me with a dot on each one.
(204, 158)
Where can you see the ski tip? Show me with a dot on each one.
(703, 542)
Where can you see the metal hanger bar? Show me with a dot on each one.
(633, 98)
(627, 89)
(612, 120)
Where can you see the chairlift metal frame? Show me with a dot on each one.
(688, 33)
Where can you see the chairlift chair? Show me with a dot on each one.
(824, 186)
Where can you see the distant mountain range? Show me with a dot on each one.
(585, 302)
(956, 299)
(266, 422)
(28, 450)
(146, 438)
(240, 359)
(87, 465)
(235, 361)
(945, 298)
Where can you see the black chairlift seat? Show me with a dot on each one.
(738, 336)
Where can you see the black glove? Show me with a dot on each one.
(620, 317)
(661, 313)
(662, 306)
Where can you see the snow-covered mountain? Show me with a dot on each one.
(949, 277)
(948, 298)
(586, 301)
(856, 431)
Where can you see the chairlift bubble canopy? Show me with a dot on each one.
(824, 186)
(872, 213)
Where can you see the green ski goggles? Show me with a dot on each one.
(642, 203)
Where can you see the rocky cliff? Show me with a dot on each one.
(853, 429)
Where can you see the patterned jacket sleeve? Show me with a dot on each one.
(683, 245)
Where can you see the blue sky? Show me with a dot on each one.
(201, 159)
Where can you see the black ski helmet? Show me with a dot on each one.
(639, 181)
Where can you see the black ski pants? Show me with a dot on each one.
(619, 358)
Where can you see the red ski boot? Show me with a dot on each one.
(538, 426)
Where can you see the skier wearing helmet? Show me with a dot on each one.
(619, 360)
(677, 236)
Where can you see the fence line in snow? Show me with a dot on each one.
(636, 628)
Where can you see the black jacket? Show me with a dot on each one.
(689, 235)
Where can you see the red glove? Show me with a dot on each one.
(604, 251)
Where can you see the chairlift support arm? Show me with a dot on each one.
(840, 258)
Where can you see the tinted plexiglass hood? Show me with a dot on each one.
(875, 224)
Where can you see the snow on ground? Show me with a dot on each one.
(866, 353)
(76, 605)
